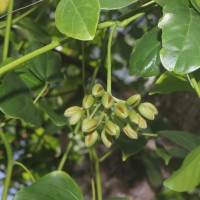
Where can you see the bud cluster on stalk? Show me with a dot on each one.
(103, 117)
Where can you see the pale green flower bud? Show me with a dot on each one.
(98, 90)
(88, 101)
(134, 100)
(117, 131)
(106, 139)
(133, 116)
(71, 111)
(107, 100)
(148, 110)
(110, 128)
(91, 139)
(121, 110)
(75, 118)
(141, 122)
(130, 132)
(89, 125)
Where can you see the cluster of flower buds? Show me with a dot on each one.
(101, 112)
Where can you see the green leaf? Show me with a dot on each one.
(78, 18)
(16, 101)
(46, 66)
(180, 38)
(57, 119)
(170, 82)
(55, 185)
(130, 147)
(185, 139)
(115, 4)
(161, 152)
(187, 176)
(145, 59)
(196, 4)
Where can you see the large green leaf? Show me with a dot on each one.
(16, 101)
(46, 66)
(115, 4)
(196, 4)
(180, 38)
(170, 82)
(145, 59)
(57, 119)
(188, 176)
(53, 186)
(78, 18)
(130, 147)
(185, 139)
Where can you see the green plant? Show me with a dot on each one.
(41, 85)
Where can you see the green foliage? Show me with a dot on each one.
(56, 185)
(78, 19)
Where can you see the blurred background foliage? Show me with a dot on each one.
(40, 143)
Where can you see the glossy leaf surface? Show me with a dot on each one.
(188, 176)
(55, 185)
(115, 4)
(78, 18)
(170, 82)
(180, 39)
(145, 59)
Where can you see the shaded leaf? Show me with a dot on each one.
(55, 185)
(196, 4)
(130, 147)
(115, 4)
(46, 66)
(161, 152)
(78, 18)
(57, 119)
(170, 82)
(180, 39)
(16, 101)
(145, 59)
(185, 139)
(188, 175)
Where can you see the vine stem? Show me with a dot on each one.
(25, 169)
(97, 173)
(33, 54)
(83, 66)
(92, 176)
(41, 93)
(7, 32)
(195, 84)
(69, 146)
(9, 165)
(107, 154)
(109, 62)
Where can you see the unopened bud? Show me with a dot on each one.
(117, 131)
(133, 116)
(130, 132)
(141, 122)
(121, 110)
(91, 139)
(71, 111)
(106, 139)
(110, 128)
(88, 101)
(98, 90)
(147, 110)
(107, 100)
(3, 5)
(89, 125)
(134, 100)
(74, 119)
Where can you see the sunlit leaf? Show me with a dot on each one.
(196, 4)
(180, 39)
(78, 18)
(145, 59)
(115, 4)
(188, 176)
(55, 185)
